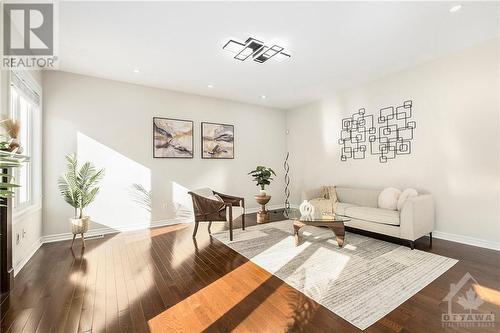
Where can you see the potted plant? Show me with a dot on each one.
(79, 189)
(262, 176)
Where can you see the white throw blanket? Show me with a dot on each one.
(327, 203)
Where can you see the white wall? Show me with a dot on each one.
(110, 123)
(456, 147)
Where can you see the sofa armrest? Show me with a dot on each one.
(312, 194)
(417, 217)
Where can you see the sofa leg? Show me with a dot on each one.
(412, 245)
(430, 239)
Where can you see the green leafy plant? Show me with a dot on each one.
(79, 187)
(262, 176)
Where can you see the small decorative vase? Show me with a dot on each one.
(262, 193)
(306, 208)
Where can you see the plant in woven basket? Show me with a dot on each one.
(78, 187)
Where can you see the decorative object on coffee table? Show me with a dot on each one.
(262, 214)
(79, 189)
(262, 176)
(306, 208)
(331, 221)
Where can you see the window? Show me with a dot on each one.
(24, 106)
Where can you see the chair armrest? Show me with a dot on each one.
(312, 193)
(417, 217)
(235, 201)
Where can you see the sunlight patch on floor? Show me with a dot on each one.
(217, 299)
(487, 294)
(287, 254)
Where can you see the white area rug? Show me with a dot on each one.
(361, 282)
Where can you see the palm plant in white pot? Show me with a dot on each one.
(79, 189)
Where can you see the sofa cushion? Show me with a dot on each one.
(405, 195)
(377, 215)
(357, 196)
(340, 207)
(388, 198)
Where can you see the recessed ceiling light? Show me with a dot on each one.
(455, 8)
(263, 96)
(136, 71)
(210, 86)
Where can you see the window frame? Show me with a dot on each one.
(15, 113)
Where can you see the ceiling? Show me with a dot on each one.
(334, 45)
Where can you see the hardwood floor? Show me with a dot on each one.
(161, 280)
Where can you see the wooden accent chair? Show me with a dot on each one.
(208, 207)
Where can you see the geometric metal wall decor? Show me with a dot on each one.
(354, 135)
(391, 138)
(395, 132)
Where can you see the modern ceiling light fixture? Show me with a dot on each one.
(455, 8)
(255, 50)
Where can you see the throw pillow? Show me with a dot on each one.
(215, 197)
(388, 198)
(408, 193)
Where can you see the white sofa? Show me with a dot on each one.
(416, 218)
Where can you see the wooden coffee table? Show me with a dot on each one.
(331, 221)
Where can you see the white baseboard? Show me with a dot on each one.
(467, 240)
(114, 230)
(124, 228)
(34, 247)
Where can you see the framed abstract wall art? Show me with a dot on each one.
(217, 141)
(172, 138)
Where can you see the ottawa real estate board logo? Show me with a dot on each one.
(28, 36)
(464, 306)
